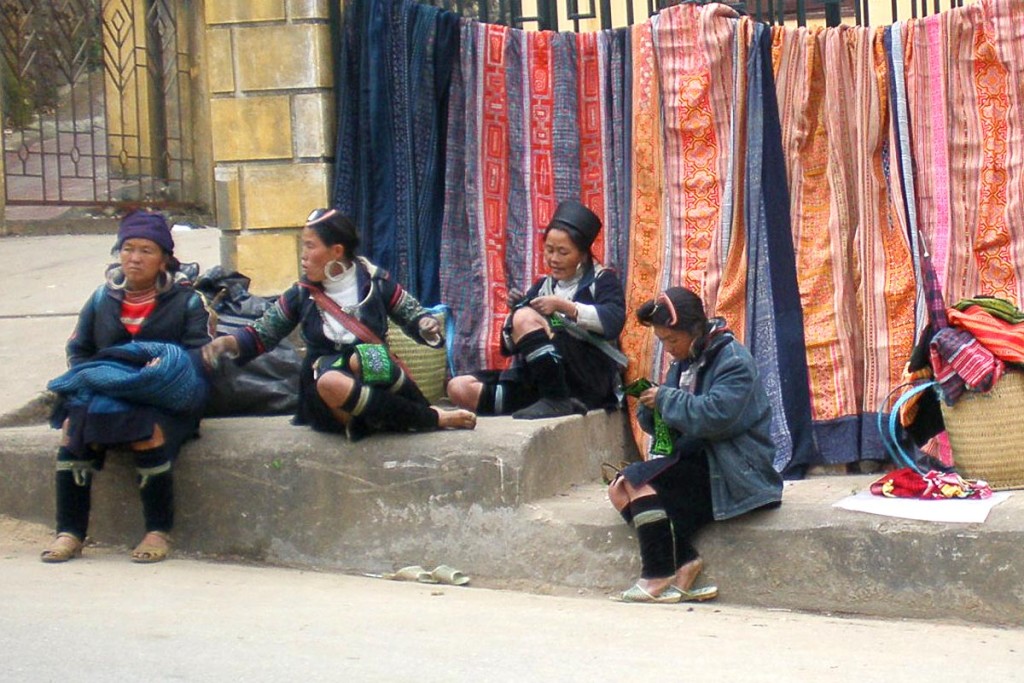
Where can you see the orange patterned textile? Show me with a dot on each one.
(646, 237)
(854, 264)
(965, 80)
(692, 150)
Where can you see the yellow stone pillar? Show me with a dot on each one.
(271, 84)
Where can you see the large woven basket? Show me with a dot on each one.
(428, 367)
(986, 432)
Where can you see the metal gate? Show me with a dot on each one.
(96, 102)
(834, 12)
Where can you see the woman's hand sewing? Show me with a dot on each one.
(647, 399)
(549, 305)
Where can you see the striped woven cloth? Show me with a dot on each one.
(534, 118)
(1003, 339)
(900, 146)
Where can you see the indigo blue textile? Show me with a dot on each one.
(393, 77)
(774, 316)
(122, 374)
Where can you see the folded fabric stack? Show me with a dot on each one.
(970, 355)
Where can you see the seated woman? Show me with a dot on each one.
(145, 299)
(563, 333)
(720, 466)
(350, 383)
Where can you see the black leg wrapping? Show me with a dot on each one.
(545, 364)
(685, 552)
(391, 412)
(654, 533)
(351, 404)
(157, 493)
(627, 515)
(73, 502)
(156, 489)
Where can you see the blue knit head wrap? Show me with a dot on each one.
(147, 225)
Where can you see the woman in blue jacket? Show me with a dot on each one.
(563, 333)
(720, 466)
(145, 299)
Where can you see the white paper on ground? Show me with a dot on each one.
(956, 510)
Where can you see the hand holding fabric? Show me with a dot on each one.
(549, 305)
(430, 330)
(648, 397)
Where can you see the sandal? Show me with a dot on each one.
(65, 547)
(410, 573)
(147, 553)
(449, 575)
(698, 594)
(636, 593)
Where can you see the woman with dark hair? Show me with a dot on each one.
(719, 424)
(350, 383)
(137, 339)
(563, 333)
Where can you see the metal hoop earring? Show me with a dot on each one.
(163, 281)
(330, 277)
(116, 279)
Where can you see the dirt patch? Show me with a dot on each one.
(17, 534)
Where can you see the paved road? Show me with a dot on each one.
(102, 618)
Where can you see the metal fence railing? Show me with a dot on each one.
(576, 14)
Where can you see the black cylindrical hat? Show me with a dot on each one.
(578, 219)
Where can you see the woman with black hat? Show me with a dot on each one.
(350, 383)
(563, 333)
(146, 305)
(720, 466)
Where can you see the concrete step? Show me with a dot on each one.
(519, 505)
(262, 488)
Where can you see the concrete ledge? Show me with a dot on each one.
(518, 504)
(263, 489)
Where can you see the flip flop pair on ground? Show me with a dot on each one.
(441, 574)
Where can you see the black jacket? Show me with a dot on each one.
(179, 317)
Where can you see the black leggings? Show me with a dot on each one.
(685, 492)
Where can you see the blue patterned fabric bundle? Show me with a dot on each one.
(173, 383)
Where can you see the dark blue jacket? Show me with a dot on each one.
(179, 317)
(729, 415)
(600, 288)
(380, 298)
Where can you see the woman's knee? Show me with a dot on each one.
(619, 493)
(464, 391)
(526, 320)
(154, 441)
(334, 387)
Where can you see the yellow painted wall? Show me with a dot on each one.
(271, 106)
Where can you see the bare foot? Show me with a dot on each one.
(688, 573)
(153, 547)
(455, 419)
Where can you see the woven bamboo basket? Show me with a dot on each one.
(428, 367)
(986, 432)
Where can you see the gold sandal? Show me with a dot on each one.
(65, 547)
(147, 553)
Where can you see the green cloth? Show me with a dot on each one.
(1000, 308)
(662, 444)
(375, 361)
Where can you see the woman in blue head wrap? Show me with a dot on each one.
(145, 299)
